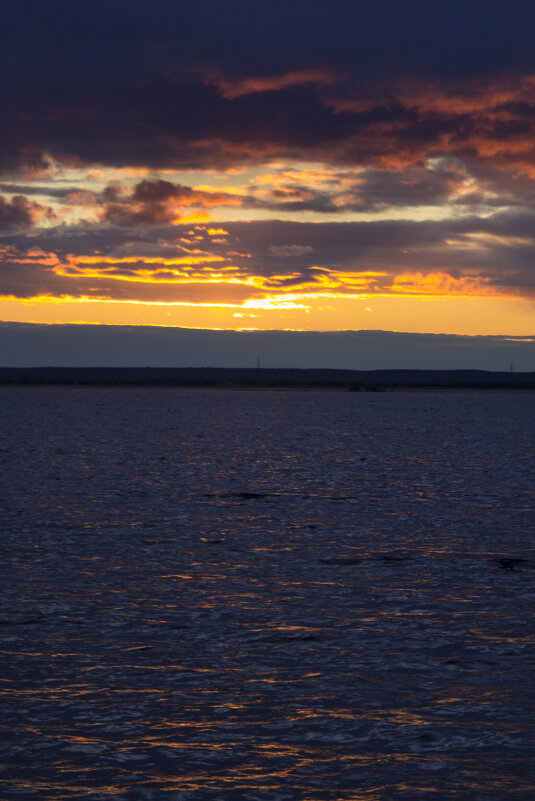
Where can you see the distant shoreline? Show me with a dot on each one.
(266, 378)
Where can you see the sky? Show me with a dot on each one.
(298, 166)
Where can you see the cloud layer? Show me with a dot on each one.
(251, 153)
(130, 346)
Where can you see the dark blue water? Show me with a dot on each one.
(267, 595)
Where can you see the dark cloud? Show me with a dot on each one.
(208, 84)
(446, 37)
(19, 213)
(150, 192)
(44, 190)
(158, 201)
(15, 214)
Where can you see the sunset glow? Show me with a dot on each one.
(293, 195)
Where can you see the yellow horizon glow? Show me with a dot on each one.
(470, 315)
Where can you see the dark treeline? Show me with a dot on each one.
(363, 380)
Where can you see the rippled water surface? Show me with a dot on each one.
(267, 595)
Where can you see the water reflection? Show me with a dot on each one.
(267, 595)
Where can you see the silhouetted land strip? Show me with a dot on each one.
(250, 378)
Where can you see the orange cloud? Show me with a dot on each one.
(232, 88)
(35, 256)
(418, 283)
(490, 118)
(173, 260)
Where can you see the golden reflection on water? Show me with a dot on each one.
(317, 633)
(65, 792)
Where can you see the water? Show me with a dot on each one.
(267, 595)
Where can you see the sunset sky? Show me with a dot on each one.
(269, 165)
